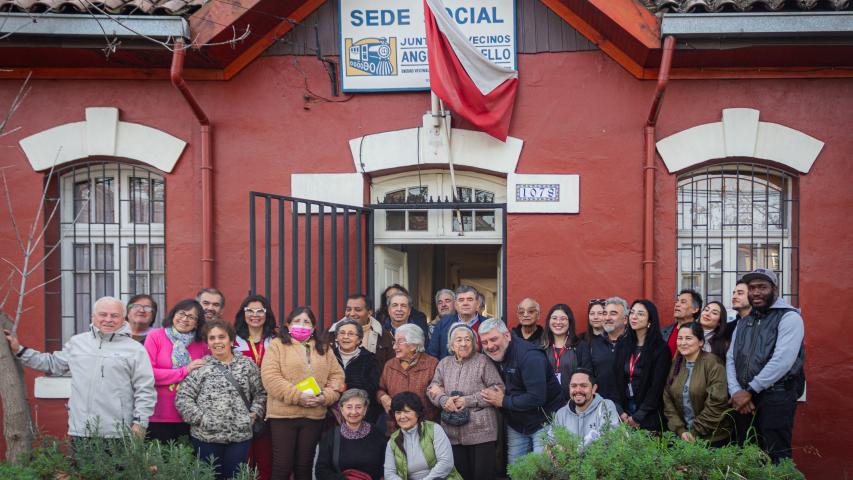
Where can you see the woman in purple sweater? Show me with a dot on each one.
(175, 350)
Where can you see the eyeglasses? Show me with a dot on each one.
(598, 301)
(144, 308)
(188, 316)
(255, 311)
(400, 342)
(347, 334)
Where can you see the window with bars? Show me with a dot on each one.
(733, 218)
(111, 230)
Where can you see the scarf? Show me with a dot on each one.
(180, 342)
(350, 434)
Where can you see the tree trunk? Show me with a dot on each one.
(17, 420)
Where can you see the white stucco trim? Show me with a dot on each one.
(739, 134)
(102, 134)
(542, 193)
(399, 149)
(342, 188)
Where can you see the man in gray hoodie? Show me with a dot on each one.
(112, 383)
(587, 414)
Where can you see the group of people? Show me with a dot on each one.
(398, 395)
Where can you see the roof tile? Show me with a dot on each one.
(118, 7)
(714, 6)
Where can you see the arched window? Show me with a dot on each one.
(111, 227)
(733, 218)
(474, 225)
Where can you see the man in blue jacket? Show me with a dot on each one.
(531, 392)
(467, 312)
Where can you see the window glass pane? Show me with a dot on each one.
(81, 201)
(158, 258)
(485, 220)
(138, 283)
(395, 221)
(104, 256)
(417, 194)
(140, 206)
(464, 194)
(158, 214)
(397, 196)
(483, 196)
(81, 258)
(418, 221)
(467, 224)
(137, 257)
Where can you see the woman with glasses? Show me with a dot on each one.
(361, 369)
(255, 327)
(595, 320)
(642, 364)
(175, 350)
(411, 370)
(141, 314)
(564, 350)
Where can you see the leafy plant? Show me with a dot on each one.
(625, 453)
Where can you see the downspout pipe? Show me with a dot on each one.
(649, 169)
(177, 71)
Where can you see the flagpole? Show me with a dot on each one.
(440, 122)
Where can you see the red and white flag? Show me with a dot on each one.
(480, 91)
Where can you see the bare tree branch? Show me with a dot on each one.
(12, 265)
(11, 210)
(16, 102)
(42, 284)
(30, 246)
(6, 283)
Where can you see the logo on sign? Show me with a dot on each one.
(537, 192)
(371, 57)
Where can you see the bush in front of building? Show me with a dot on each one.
(128, 458)
(625, 453)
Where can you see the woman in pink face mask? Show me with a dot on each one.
(297, 360)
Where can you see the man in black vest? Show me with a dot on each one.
(765, 366)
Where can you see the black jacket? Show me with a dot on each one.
(653, 365)
(602, 355)
(571, 359)
(532, 394)
(535, 339)
(363, 372)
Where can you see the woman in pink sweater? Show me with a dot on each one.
(175, 350)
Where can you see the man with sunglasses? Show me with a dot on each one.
(528, 327)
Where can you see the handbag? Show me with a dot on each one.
(259, 426)
(458, 418)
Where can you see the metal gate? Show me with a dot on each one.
(313, 253)
(309, 253)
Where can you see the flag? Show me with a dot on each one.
(470, 85)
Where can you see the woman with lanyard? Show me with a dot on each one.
(255, 326)
(175, 350)
(642, 364)
(564, 350)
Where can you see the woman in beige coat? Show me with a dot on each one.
(298, 358)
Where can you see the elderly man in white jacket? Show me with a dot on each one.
(112, 383)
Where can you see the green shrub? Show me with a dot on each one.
(624, 453)
(125, 458)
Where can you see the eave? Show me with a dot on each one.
(623, 29)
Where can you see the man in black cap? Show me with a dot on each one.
(765, 366)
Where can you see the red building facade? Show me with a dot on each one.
(577, 113)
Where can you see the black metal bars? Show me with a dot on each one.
(317, 231)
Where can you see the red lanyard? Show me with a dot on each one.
(258, 353)
(632, 363)
(557, 357)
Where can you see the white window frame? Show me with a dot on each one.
(729, 239)
(440, 221)
(121, 233)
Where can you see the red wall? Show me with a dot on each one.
(576, 112)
